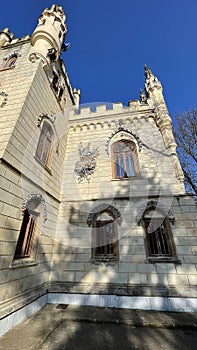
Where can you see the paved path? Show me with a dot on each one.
(60, 327)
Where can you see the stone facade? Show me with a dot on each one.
(77, 183)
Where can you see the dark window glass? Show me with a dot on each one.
(26, 236)
(105, 239)
(157, 235)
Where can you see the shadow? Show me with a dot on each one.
(65, 265)
(131, 276)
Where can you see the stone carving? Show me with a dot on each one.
(100, 209)
(154, 205)
(42, 116)
(58, 84)
(52, 54)
(34, 56)
(87, 164)
(143, 98)
(120, 129)
(35, 196)
(11, 54)
(3, 98)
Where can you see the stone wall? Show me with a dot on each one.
(29, 96)
(72, 258)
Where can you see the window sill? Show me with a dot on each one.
(23, 262)
(43, 165)
(136, 177)
(105, 260)
(162, 259)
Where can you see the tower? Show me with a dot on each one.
(49, 35)
(92, 202)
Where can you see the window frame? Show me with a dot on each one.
(24, 247)
(45, 145)
(98, 228)
(9, 62)
(134, 154)
(168, 242)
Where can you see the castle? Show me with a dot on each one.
(93, 205)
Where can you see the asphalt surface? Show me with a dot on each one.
(69, 327)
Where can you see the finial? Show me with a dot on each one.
(143, 98)
(148, 72)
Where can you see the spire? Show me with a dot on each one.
(147, 72)
(154, 95)
(151, 82)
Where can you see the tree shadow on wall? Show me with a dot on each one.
(140, 279)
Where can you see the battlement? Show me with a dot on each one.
(18, 40)
(107, 109)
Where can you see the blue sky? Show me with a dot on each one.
(111, 40)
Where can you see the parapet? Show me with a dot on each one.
(5, 36)
(98, 109)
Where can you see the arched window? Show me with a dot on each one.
(43, 152)
(26, 236)
(125, 160)
(10, 62)
(159, 241)
(26, 244)
(104, 236)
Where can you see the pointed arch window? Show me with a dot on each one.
(105, 242)
(125, 159)
(44, 148)
(9, 62)
(26, 236)
(159, 240)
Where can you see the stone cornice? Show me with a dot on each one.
(103, 121)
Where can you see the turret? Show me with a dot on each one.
(5, 36)
(163, 120)
(76, 95)
(49, 35)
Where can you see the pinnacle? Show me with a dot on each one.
(148, 72)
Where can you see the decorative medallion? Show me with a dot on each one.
(87, 164)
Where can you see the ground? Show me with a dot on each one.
(63, 327)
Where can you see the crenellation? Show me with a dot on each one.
(109, 170)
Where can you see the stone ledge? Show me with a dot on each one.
(123, 289)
